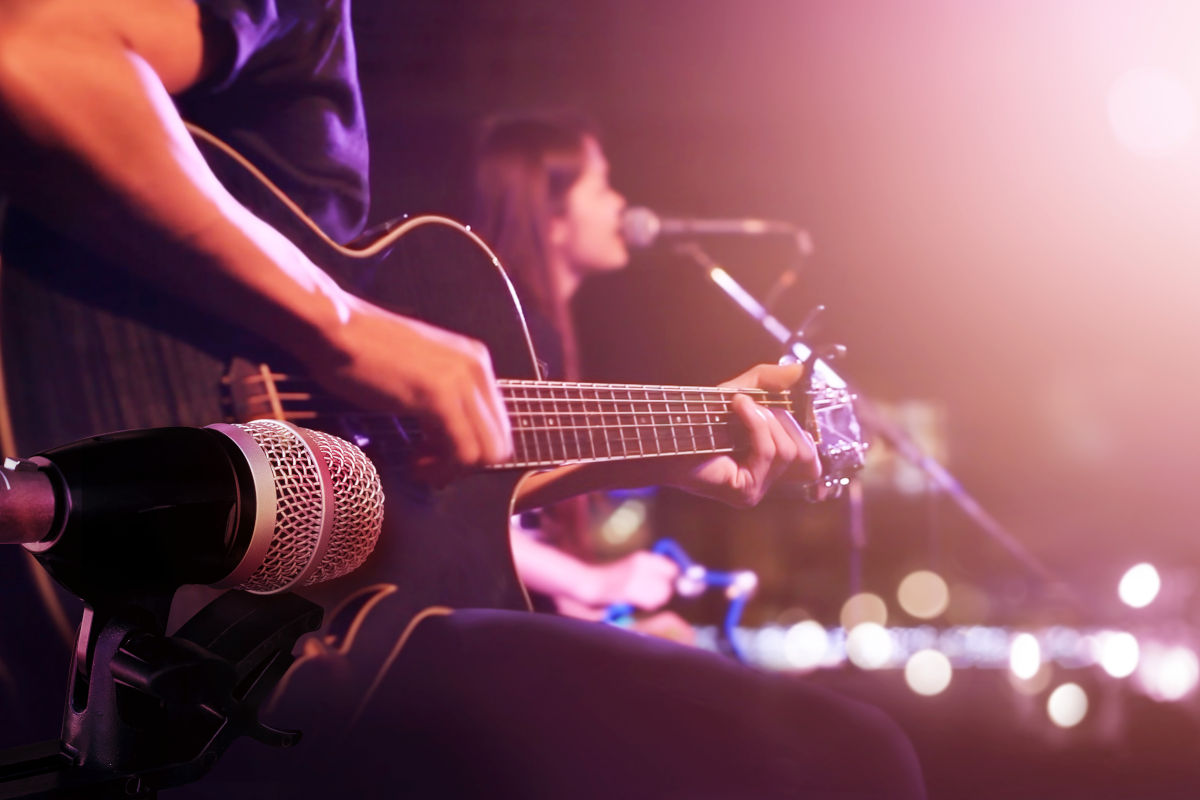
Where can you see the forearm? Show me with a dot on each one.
(550, 571)
(102, 154)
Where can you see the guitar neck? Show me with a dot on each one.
(558, 422)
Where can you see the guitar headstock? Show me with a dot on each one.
(824, 405)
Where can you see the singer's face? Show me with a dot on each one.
(589, 232)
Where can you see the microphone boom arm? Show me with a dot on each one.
(895, 436)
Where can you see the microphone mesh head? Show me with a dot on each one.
(640, 226)
(302, 532)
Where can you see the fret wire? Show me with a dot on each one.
(674, 437)
(573, 413)
(634, 420)
(522, 464)
(763, 398)
(650, 410)
(592, 452)
(708, 413)
(507, 383)
(616, 413)
(557, 420)
(536, 446)
(686, 410)
(611, 427)
(600, 405)
(676, 413)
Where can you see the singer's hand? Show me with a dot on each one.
(393, 363)
(643, 579)
(778, 447)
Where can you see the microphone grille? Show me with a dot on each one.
(312, 542)
(358, 508)
(640, 226)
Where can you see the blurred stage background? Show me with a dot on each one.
(1003, 199)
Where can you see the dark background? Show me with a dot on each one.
(987, 249)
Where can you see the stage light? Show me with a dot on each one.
(805, 644)
(1151, 111)
(869, 645)
(1068, 705)
(1139, 585)
(768, 645)
(1118, 653)
(863, 607)
(1025, 656)
(624, 522)
(1169, 673)
(923, 594)
(928, 672)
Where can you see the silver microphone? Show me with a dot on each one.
(641, 227)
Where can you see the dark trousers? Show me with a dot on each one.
(504, 704)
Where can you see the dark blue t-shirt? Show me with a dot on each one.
(284, 92)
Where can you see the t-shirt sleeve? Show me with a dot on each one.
(233, 31)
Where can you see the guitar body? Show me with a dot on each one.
(88, 351)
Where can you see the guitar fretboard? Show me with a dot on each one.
(557, 422)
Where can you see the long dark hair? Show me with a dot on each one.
(524, 166)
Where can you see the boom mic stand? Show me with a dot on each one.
(872, 419)
(146, 711)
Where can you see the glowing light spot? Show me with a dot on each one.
(1139, 585)
(1025, 656)
(869, 645)
(805, 644)
(864, 607)
(1169, 673)
(928, 672)
(624, 522)
(769, 644)
(1068, 705)
(1151, 111)
(923, 594)
(1118, 654)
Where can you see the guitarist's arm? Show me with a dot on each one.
(777, 445)
(94, 146)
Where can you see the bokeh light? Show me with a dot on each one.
(1118, 653)
(624, 522)
(805, 644)
(1169, 673)
(1139, 585)
(863, 607)
(1067, 705)
(1025, 656)
(923, 594)
(869, 645)
(1152, 111)
(928, 672)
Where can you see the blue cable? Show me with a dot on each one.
(694, 579)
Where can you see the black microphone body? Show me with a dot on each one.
(147, 509)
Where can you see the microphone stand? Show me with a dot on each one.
(146, 711)
(895, 436)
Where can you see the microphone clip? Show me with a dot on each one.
(148, 711)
